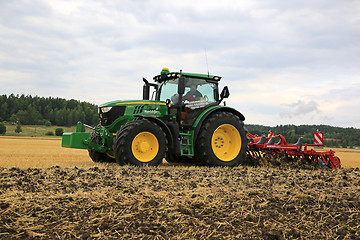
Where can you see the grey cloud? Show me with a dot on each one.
(300, 109)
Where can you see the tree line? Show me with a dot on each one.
(333, 136)
(28, 110)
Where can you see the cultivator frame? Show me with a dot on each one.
(259, 146)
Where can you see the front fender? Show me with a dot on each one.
(163, 126)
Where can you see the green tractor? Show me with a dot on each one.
(184, 123)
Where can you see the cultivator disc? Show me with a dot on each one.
(264, 151)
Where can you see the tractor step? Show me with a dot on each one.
(186, 144)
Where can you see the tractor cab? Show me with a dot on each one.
(186, 94)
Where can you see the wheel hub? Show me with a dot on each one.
(144, 147)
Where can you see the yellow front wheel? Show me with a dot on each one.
(139, 143)
(145, 146)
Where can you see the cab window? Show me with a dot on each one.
(196, 90)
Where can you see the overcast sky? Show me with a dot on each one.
(285, 62)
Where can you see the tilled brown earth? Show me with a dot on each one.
(179, 202)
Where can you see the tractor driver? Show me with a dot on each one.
(193, 94)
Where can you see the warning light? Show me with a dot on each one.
(165, 70)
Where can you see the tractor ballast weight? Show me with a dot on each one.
(184, 122)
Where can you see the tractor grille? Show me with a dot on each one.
(138, 109)
(109, 117)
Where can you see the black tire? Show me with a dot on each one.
(140, 143)
(99, 156)
(170, 158)
(222, 141)
(180, 159)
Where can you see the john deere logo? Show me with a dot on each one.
(152, 111)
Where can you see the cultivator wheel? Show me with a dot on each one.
(335, 162)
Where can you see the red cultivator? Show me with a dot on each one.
(261, 146)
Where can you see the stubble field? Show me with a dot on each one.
(48, 192)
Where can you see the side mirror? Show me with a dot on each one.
(181, 85)
(224, 93)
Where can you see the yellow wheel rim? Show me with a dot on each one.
(145, 146)
(226, 142)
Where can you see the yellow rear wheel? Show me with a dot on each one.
(221, 140)
(145, 146)
(226, 142)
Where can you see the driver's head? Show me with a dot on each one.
(193, 87)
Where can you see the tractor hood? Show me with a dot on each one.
(110, 111)
(131, 102)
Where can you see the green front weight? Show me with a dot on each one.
(75, 140)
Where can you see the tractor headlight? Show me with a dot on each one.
(105, 109)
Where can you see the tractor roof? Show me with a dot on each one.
(166, 74)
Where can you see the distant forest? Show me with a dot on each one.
(28, 110)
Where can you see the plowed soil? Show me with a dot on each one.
(179, 202)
